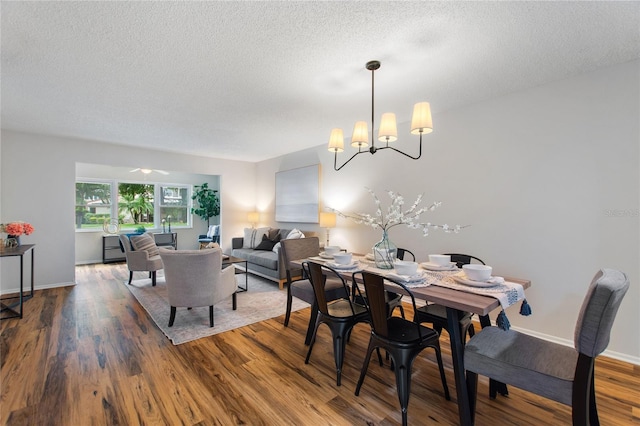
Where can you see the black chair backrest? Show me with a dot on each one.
(376, 304)
(402, 252)
(318, 280)
(463, 259)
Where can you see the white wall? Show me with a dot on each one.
(38, 186)
(548, 179)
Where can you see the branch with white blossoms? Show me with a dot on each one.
(394, 215)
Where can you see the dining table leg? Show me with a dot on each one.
(457, 353)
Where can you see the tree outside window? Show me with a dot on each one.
(135, 205)
(93, 204)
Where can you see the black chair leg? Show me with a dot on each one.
(289, 302)
(312, 321)
(211, 315)
(130, 276)
(153, 278)
(172, 316)
(234, 302)
(365, 366)
(472, 391)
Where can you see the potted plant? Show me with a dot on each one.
(208, 202)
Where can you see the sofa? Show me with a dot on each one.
(261, 249)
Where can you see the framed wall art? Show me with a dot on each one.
(298, 195)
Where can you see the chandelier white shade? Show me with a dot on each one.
(388, 131)
(421, 123)
(421, 120)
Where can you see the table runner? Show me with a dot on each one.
(507, 293)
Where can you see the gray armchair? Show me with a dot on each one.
(142, 255)
(554, 371)
(195, 278)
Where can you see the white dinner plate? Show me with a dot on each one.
(405, 279)
(335, 265)
(369, 256)
(491, 282)
(435, 267)
(325, 255)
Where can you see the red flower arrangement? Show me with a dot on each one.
(17, 228)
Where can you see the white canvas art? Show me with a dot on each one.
(298, 195)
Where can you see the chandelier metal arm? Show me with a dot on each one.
(404, 153)
(335, 159)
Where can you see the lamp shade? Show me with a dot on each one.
(421, 120)
(388, 131)
(327, 220)
(253, 217)
(360, 135)
(336, 141)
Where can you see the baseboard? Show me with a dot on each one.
(35, 288)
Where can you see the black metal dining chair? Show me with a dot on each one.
(402, 339)
(298, 284)
(340, 315)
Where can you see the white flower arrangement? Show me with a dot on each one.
(395, 216)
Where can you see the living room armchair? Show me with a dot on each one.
(212, 236)
(195, 278)
(142, 255)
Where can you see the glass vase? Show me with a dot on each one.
(384, 252)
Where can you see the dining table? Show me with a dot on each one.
(455, 300)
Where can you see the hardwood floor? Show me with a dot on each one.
(90, 355)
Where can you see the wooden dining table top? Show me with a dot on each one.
(457, 299)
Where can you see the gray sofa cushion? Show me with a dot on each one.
(268, 259)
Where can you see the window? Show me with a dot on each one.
(150, 205)
(93, 204)
(174, 205)
(136, 205)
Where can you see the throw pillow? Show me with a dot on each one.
(213, 231)
(295, 234)
(266, 244)
(276, 248)
(253, 237)
(274, 233)
(145, 242)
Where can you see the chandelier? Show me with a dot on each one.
(387, 133)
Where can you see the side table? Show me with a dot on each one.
(230, 260)
(11, 307)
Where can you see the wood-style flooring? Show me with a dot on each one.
(90, 355)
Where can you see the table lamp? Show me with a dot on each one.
(253, 218)
(327, 220)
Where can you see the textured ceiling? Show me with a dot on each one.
(255, 80)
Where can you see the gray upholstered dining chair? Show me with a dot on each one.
(299, 285)
(554, 371)
(142, 254)
(195, 278)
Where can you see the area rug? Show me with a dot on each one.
(262, 301)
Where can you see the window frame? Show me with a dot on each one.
(157, 197)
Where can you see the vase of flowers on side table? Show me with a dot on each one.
(14, 230)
